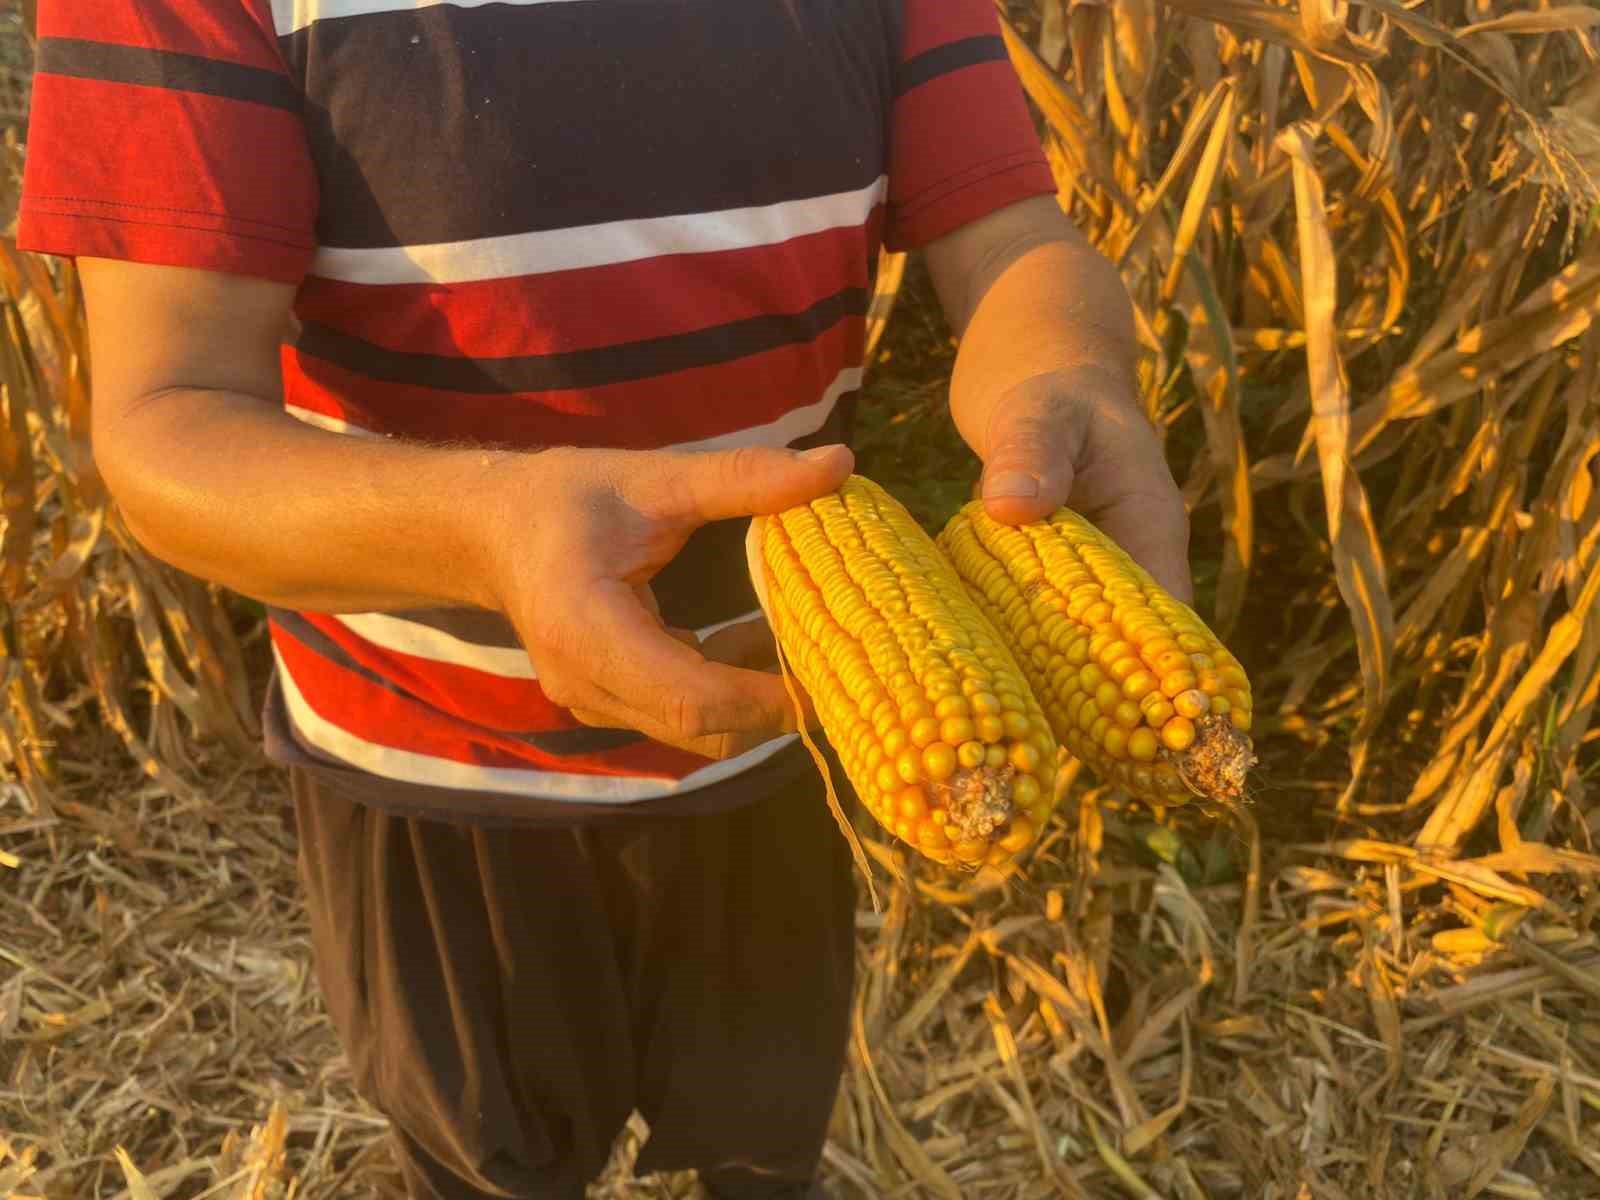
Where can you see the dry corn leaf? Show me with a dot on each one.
(1209, 352)
(1357, 553)
(1271, 24)
(1546, 20)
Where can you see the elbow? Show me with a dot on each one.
(124, 470)
(139, 454)
(132, 489)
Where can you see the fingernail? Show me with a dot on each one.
(1010, 484)
(822, 453)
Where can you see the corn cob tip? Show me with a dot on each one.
(1216, 765)
(978, 801)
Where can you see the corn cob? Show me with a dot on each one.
(928, 711)
(1134, 684)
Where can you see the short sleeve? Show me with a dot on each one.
(167, 132)
(962, 143)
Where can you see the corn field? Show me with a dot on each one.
(1360, 239)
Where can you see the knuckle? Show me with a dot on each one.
(743, 462)
(559, 690)
(1025, 432)
(666, 487)
(540, 633)
(729, 745)
(689, 720)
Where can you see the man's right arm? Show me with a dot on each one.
(213, 476)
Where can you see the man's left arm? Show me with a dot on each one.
(1044, 387)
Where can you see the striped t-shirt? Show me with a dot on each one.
(623, 223)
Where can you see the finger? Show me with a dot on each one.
(1128, 491)
(671, 690)
(747, 644)
(1154, 529)
(751, 644)
(751, 480)
(612, 715)
(1034, 435)
(594, 718)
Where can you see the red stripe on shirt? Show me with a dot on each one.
(664, 410)
(596, 306)
(268, 196)
(930, 25)
(206, 29)
(91, 234)
(965, 105)
(387, 719)
(493, 701)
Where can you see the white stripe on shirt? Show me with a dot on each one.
(323, 421)
(412, 767)
(290, 15)
(575, 247)
(404, 636)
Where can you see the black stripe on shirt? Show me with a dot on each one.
(476, 626)
(558, 742)
(447, 124)
(598, 367)
(109, 62)
(952, 56)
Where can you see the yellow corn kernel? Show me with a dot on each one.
(909, 677)
(912, 804)
(1178, 733)
(1142, 745)
(939, 761)
(1127, 714)
(1141, 691)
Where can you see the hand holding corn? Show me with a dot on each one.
(1045, 390)
(946, 675)
(603, 522)
(1077, 437)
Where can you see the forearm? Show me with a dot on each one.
(1057, 307)
(1045, 390)
(231, 489)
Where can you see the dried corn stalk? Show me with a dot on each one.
(84, 612)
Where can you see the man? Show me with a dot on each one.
(463, 334)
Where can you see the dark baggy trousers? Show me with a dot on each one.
(508, 997)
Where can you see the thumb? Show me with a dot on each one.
(715, 485)
(1034, 436)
